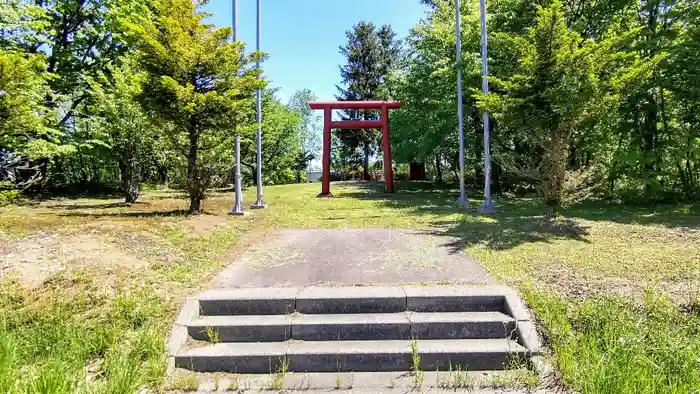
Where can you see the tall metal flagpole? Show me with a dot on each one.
(460, 110)
(487, 206)
(238, 207)
(259, 203)
(234, 17)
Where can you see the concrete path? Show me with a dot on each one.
(303, 257)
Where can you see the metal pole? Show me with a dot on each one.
(460, 110)
(235, 20)
(259, 203)
(238, 208)
(487, 206)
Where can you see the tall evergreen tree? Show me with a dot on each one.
(370, 54)
(198, 80)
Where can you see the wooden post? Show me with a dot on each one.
(386, 144)
(326, 181)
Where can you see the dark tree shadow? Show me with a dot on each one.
(137, 214)
(685, 215)
(97, 206)
(509, 232)
(519, 220)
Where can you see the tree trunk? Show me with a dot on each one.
(163, 175)
(130, 181)
(365, 168)
(438, 168)
(193, 176)
(554, 169)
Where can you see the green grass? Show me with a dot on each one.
(610, 345)
(187, 382)
(80, 340)
(615, 284)
(418, 374)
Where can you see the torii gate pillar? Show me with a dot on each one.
(329, 124)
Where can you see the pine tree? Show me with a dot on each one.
(370, 54)
(199, 81)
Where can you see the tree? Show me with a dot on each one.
(282, 138)
(425, 129)
(555, 91)
(199, 81)
(128, 133)
(309, 132)
(370, 55)
(25, 131)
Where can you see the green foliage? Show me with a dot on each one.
(609, 345)
(282, 141)
(370, 53)
(128, 134)
(7, 193)
(23, 117)
(425, 128)
(200, 82)
(311, 122)
(554, 89)
(588, 99)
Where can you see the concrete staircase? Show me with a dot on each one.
(353, 329)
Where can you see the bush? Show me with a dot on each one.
(7, 194)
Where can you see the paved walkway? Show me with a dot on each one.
(350, 257)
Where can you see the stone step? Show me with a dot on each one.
(248, 301)
(461, 325)
(375, 382)
(372, 326)
(357, 299)
(352, 356)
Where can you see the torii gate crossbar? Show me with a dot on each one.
(328, 124)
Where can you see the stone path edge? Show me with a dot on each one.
(178, 337)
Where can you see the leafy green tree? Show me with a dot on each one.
(424, 130)
(198, 80)
(22, 114)
(310, 131)
(79, 39)
(281, 143)
(128, 133)
(25, 130)
(557, 90)
(684, 100)
(370, 54)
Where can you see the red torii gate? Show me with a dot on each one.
(328, 124)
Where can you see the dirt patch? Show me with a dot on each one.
(202, 225)
(37, 257)
(577, 286)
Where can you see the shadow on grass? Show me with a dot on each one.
(428, 198)
(519, 220)
(507, 232)
(97, 206)
(136, 214)
(668, 215)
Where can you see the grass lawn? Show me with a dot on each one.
(91, 285)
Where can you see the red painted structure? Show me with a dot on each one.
(329, 124)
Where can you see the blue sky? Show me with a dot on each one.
(302, 36)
